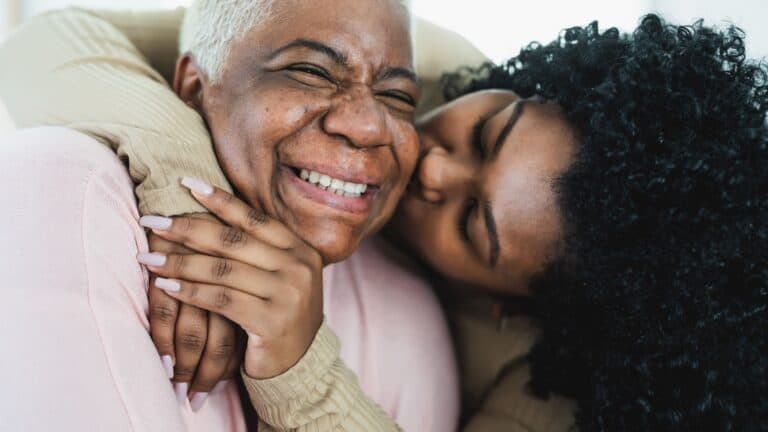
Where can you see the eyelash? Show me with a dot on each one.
(464, 219)
(477, 137)
(311, 70)
(401, 97)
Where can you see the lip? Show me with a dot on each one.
(374, 180)
(357, 206)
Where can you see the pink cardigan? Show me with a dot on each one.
(77, 353)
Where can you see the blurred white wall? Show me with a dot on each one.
(750, 15)
(501, 27)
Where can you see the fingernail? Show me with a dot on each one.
(169, 285)
(168, 365)
(156, 222)
(198, 186)
(181, 390)
(198, 400)
(220, 387)
(152, 259)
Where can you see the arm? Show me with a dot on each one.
(89, 77)
(318, 394)
(254, 271)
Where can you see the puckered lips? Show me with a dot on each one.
(332, 187)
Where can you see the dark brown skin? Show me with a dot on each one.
(455, 179)
(456, 182)
(299, 108)
(342, 105)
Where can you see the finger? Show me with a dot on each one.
(214, 363)
(233, 367)
(191, 334)
(237, 213)
(215, 271)
(163, 312)
(247, 311)
(213, 238)
(159, 244)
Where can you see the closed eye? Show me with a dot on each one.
(463, 222)
(310, 72)
(399, 101)
(477, 136)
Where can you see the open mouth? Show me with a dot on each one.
(328, 183)
(322, 188)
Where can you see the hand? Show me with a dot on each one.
(204, 348)
(252, 270)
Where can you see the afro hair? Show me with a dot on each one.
(655, 318)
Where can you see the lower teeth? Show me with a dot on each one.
(339, 192)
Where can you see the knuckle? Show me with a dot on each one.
(163, 314)
(179, 264)
(233, 237)
(221, 269)
(183, 372)
(185, 224)
(164, 345)
(256, 218)
(191, 341)
(221, 351)
(222, 299)
(227, 198)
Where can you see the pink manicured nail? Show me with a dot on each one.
(197, 401)
(169, 285)
(181, 390)
(152, 259)
(156, 222)
(220, 387)
(198, 186)
(168, 365)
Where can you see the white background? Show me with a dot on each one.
(501, 27)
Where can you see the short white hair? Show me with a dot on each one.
(211, 26)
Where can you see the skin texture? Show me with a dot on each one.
(455, 182)
(280, 109)
(341, 105)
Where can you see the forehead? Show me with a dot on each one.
(520, 183)
(374, 31)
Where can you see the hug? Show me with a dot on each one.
(291, 218)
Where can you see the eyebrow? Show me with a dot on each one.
(399, 72)
(517, 111)
(313, 45)
(493, 234)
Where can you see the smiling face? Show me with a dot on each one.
(313, 118)
(481, 209)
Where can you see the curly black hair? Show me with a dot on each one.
(656, 316)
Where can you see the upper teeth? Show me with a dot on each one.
(339, 187)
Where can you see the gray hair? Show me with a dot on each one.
(211, 26)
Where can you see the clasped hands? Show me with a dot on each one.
(238, 281)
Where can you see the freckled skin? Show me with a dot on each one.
(518, 182)
(267, 116)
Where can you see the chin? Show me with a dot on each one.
(333, 248)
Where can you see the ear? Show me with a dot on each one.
(189, 82)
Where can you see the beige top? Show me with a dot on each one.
(105, 74)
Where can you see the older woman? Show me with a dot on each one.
(253, 74)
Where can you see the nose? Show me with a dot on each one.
(442, 174)
(359, 118)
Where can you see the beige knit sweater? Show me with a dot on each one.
(105, 74)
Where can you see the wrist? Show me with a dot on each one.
(306, 375)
